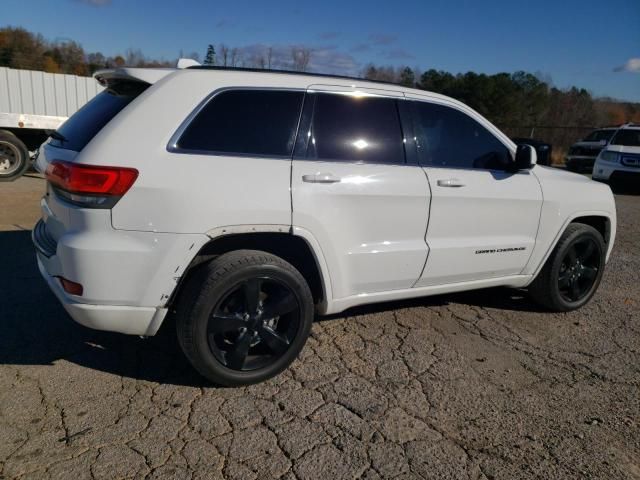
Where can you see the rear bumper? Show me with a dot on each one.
(127, 277)
(114, 318)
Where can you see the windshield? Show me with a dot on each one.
(82, 126)
(599, 135)
(629, 137)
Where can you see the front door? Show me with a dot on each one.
(484, 218)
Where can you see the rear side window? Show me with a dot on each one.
(246, 122)
(81, 127)
(449, 138)
(355, 129)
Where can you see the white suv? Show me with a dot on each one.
(242, 201)
(619, 161)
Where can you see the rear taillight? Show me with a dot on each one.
(90, 186)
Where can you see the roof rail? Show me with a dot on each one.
(287, 72)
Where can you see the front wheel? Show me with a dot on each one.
(573, 271)
(244, 317)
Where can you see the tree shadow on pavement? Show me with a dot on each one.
(36, 330)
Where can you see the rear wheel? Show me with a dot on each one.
(14, 157)
(244, 317)
(573, 271)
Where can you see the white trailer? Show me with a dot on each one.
(32, 104)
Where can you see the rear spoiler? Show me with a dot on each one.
(145, 75)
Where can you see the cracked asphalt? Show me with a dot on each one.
(480, 385)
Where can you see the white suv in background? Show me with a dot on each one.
(244, 201)
(619, 161)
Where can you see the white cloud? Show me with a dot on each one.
(632, 65)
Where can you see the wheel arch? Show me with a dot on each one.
(295, 246)
(600, 222)
(604, 222)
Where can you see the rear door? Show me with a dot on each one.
(353, 190)
(484, 218)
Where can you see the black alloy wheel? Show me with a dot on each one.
(243, 317)
(579, 269)
(253, 324)
(572, 273)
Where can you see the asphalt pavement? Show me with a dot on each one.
(479, 385)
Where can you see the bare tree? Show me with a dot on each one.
(235, 56)
(134, 57)
(301, 57)
(224, 53)
(269, 57)
(259, 61)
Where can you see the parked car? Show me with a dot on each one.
(582, 154)
(31, 105)
(243, 201)
(619, 161)
(543, 149)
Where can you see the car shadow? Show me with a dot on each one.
(625, 188)
(36, 330)
(501, 298)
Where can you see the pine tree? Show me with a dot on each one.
(407, 77)
(210, 58)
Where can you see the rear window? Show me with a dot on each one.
(245, 122)
(81, 127)
(629, 137)
(599, 135)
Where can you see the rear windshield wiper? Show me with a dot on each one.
(58, 136)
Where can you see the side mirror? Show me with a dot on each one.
(526, 157)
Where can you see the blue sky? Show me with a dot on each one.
(579, 43)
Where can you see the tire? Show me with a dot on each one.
(554, 288)
(217, 303)
(14, 157)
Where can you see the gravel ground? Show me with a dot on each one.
(478, 385)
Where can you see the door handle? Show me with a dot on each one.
(320, 178)
(450, 182)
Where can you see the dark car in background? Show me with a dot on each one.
(543, 149)
(582, 154)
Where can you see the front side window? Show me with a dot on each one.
(629, 137)
(355, 129)
(446, 137)
(245, 122)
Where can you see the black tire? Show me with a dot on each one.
(550, 288)
(219, 289)
(14, 157)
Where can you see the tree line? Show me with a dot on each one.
(520, 103)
